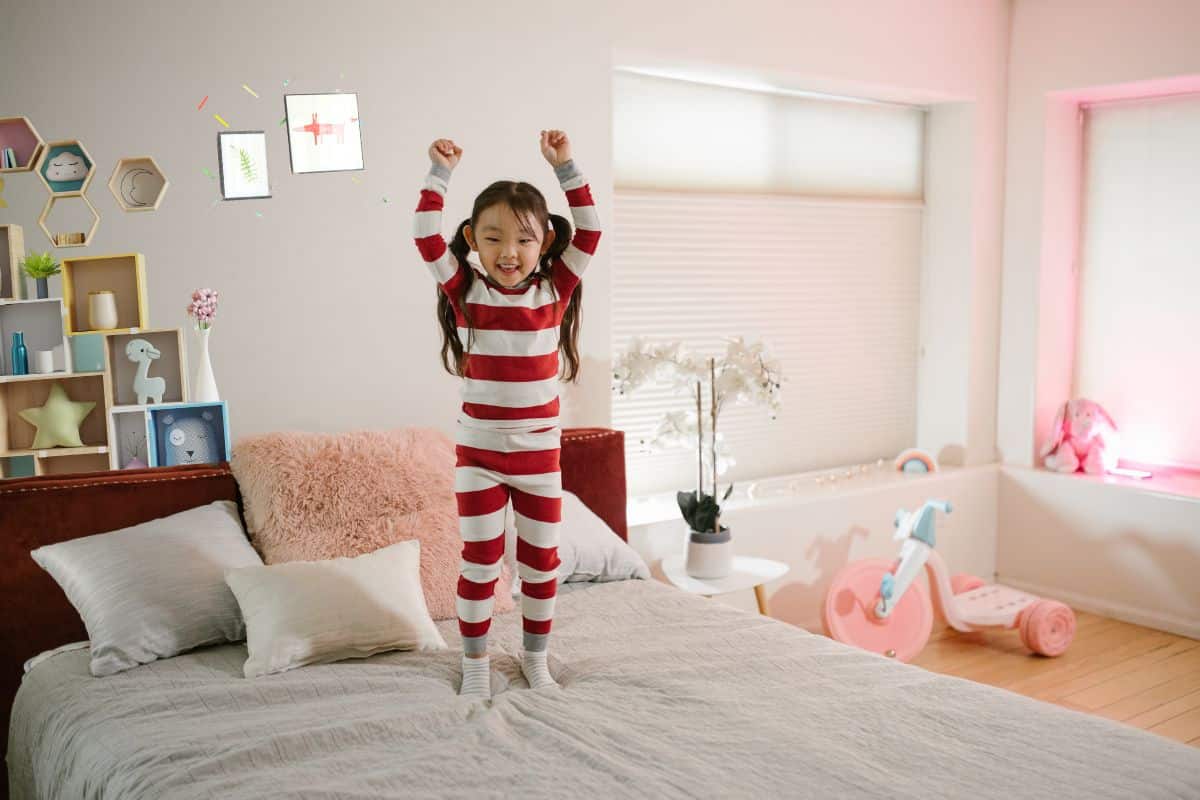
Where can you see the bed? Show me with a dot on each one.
(664, 694)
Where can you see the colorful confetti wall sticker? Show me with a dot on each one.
(287, 81)
(355, 179)
(211, 177)
(248, 89)
(217, 117)
(202, 102)
(283, 121)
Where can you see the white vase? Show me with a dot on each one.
(204, 385)
(102, 310)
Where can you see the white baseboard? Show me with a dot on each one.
(1138, 616)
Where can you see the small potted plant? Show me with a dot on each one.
(745, 375)
(40, 266)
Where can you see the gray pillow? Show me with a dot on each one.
(588, 549)
(156, 589)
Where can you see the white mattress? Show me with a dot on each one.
(664, 694)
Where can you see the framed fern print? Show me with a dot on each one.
(242, 156)
(323, 132)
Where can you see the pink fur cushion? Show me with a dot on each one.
(314, 496)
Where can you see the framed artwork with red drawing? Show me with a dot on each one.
(323, 132)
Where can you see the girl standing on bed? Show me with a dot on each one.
(502, 332)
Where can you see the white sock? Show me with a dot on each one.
(476, 678)
(533, 664)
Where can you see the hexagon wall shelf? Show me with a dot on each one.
(69, 238)
(138, 184)
(66, 167)
(19, 134)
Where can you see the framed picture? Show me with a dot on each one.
(242, 156)
(323, 132)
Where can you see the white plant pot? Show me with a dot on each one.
(709, 555)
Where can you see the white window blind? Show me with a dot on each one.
(1138, 345)
(762, 248)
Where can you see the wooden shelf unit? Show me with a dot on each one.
(16, 435)
(42, 323)
(124, 274)
(70, 188)
(19, 134)
(138, 184)
(170, 365)
(57, 239)
(12, 251)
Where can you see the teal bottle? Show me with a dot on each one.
(20, 358)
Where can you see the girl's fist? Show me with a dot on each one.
(445, 152)
(556, 147)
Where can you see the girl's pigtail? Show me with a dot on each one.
(568, 331)
(452, 346)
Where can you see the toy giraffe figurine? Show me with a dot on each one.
(142, 353)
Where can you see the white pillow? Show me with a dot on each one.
(313, 612)
(588, 549)
(156, 589)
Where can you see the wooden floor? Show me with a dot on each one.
(1139, 676)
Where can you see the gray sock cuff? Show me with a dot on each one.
(535, 642)
(474, 645)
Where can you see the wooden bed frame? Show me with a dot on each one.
(44, 510)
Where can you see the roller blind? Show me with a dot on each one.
(1138, 344)
(814, 249)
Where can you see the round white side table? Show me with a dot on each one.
(747, 573)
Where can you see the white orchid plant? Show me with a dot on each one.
(745, 375)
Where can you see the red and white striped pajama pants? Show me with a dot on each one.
(493, 468)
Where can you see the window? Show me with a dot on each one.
(1138, 344)
(792, 219)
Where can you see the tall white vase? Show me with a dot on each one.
(204, 385)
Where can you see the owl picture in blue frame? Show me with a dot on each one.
(190, 439)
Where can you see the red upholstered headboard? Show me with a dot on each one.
(49, 509)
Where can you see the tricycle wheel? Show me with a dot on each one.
(1047, 627)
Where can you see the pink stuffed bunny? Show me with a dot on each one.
(1083, 435)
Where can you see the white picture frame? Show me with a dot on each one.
(324, 132)
(242, 159)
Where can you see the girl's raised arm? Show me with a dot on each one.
(556, 147)
(444, 155)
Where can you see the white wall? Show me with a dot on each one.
(1121, 549)
(327, 321)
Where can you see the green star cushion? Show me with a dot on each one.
(57, 421)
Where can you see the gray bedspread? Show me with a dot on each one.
(664, 694)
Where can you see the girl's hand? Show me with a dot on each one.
(556, 147)
(445, 152)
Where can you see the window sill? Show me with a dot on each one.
(1172, 482)
(797, 488)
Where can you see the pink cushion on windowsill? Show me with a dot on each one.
(313, 496)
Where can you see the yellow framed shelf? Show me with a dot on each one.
(138, 184)
(16, 435)
(69, 238)
(124, 275)
(12, 250)
(65, 167)
(19, 134)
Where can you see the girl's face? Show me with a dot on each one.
(508, 249)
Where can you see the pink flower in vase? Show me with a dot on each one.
(203, 307)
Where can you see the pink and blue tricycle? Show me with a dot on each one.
(879, 605)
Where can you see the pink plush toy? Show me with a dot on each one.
(1084, 436)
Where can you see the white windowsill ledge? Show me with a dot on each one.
(1165, 482)
(802, 488)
